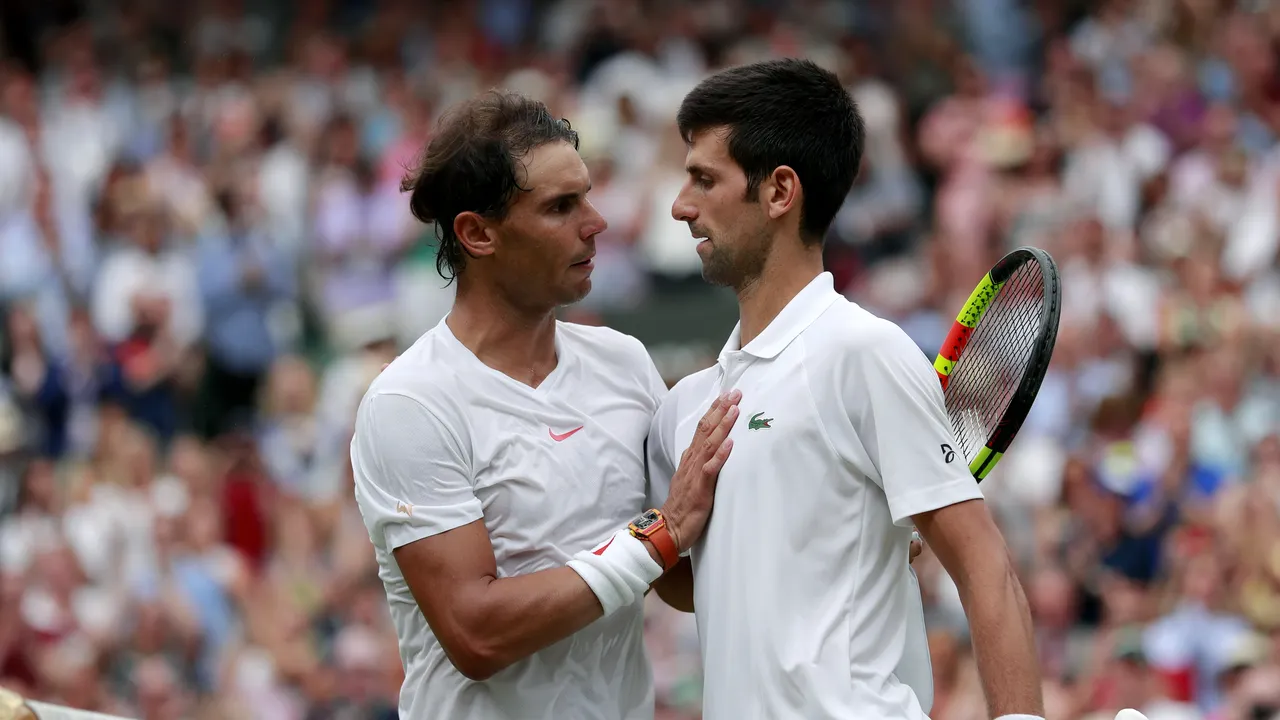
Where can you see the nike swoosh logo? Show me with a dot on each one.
(564, 436)
(603, 547)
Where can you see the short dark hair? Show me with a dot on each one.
(784, 112)
(470, 164)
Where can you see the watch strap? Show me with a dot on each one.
(660, 536)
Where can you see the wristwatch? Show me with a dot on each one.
(652, 526)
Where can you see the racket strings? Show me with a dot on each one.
(985, 384)
(985, 397)
(989, 371)
(1007, 333)
(990, 379)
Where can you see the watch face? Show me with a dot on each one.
(646, 520)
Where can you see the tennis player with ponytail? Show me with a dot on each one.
(499, 462)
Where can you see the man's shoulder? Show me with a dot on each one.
(605, 344)
(848, 330)
(426, 373)
(411, 405)
(689, 392)
(693, 384)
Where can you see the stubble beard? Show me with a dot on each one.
(736, 265)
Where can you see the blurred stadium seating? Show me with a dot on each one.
(204, 258)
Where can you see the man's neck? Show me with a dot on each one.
(517, 342)
(783, 277)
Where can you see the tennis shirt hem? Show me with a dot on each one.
(443, 519)
(933, 498)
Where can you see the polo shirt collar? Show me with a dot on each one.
(798, 315)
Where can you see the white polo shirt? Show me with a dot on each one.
(804, 597)
(442, 440)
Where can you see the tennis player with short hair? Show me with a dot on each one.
(801, 582)
(499, 462)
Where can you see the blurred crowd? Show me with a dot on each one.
(205, 258)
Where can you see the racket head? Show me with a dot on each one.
(1018, 274)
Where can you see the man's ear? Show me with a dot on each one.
(781, 191)
(473, 234)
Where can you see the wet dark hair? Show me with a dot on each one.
(470, 165)
(784, 112)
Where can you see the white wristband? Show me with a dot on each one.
(1019, 717)
(618, 570)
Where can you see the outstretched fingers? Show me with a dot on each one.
(711, 418)
(715, 441)
(717, 461)
(715, 415)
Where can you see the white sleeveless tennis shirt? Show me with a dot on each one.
(805, 602)
(442, 440)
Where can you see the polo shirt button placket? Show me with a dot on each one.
(732, 370)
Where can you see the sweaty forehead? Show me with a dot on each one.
(554, 169)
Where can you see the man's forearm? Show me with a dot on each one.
(508, 619)
(1004, 644)
(969, 545)
(676, 587)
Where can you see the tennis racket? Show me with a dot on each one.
(994, 359)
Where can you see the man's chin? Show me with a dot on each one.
(577, 292)
(716, 275)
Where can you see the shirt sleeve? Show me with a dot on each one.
(658, 465)
(656, 386)
(412, 471)
(895, 403)
(660, 461)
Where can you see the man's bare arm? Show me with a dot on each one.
(676, 587)
(485, 623)
(971, 549)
